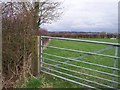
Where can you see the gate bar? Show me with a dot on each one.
(101, 50)
(78, 78)
(70, 80)
(77, 61)
(116, 53)
(40, 53)
(79, 40)
(91, 63)
(99, 65)
(91, 53)
(89, 69)
(82, 73)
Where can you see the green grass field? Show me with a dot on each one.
(50, 81)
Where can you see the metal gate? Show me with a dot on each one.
(91, 69)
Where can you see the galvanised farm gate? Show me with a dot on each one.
(81, 70)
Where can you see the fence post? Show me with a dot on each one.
(114, 71)
(119, 51)
(36, 53)
(40, 53)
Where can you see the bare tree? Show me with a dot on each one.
(20, 20)
(49, 11)
(44, 11)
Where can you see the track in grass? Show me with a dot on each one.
(84, 71)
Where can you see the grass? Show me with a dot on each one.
(89, 47)
(34, 83)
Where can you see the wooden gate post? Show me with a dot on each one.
(36, 55)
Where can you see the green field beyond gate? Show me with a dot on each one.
(88, 47)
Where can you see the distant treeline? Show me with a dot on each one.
(80, 34)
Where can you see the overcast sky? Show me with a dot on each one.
(87, 15)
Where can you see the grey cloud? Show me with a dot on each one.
(87, 14)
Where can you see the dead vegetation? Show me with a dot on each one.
(20, 23)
